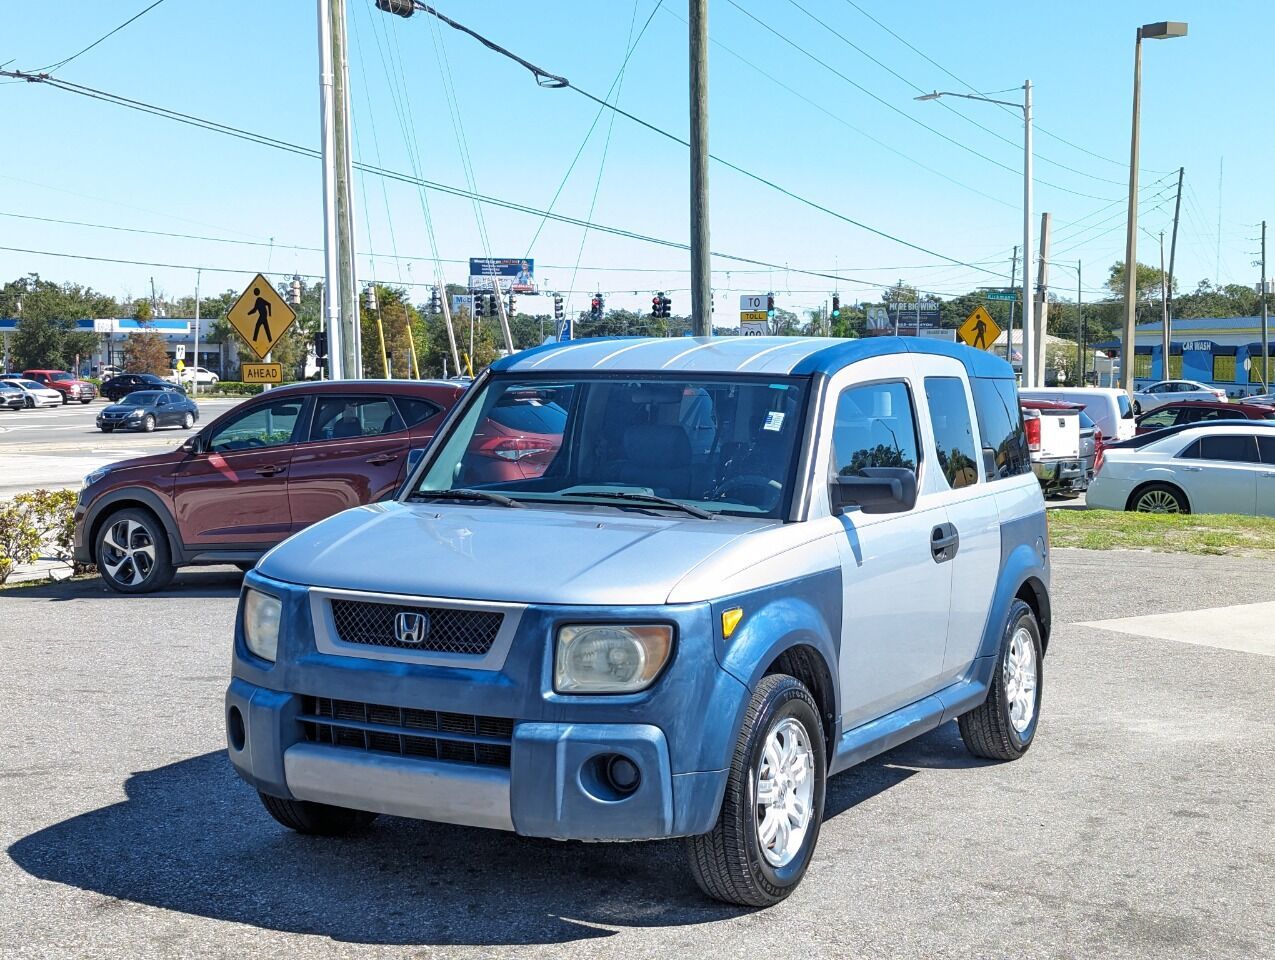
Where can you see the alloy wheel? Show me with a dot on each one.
(128, 552)
(785, 792)
(1158, 501)
(1020, 679)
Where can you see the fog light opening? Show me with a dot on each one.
(622, 774)
(235, 731)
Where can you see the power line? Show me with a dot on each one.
(264, 140)
(137, 16)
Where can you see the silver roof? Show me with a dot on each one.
(765, 355)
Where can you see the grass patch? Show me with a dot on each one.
(1190, 533)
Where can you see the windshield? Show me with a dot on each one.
(61, 376)
(724, 445)
(1126, 411)
(140, 398)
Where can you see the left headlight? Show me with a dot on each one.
(95, 476)
(261, 615)
(610, 658)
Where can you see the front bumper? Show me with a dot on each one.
(121, 424)
(489, 746)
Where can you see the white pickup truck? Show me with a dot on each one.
(1056, 437)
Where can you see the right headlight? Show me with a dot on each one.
(261, 616)
(610, 658)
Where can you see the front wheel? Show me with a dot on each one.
(132, 552)
(188, 421)
(769, 822)
(106, 429)
(148, 423)
(1003, 726)
(86, 400)
(305, 816)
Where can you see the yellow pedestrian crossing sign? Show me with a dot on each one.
(979, 329)
(261, 316)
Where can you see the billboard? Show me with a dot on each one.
(516, 275)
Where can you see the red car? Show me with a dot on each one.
(254, 476)
(518, 440)
(1196, 411)
(64, 383)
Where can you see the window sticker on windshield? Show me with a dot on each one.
(774, 421)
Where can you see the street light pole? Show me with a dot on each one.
(701, 257)
(1029, 365)
(1151, 31)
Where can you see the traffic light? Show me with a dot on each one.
(596, 306)
(770, 306)
(294, 292)
(321, 347)
(667, 307)
(369, 297)
(479, 302)
(493, 308)
(510, 309)
(558, 312)
(400, 8)
(836, 306)
(435, 305)
(657, 306)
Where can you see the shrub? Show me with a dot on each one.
(231, 388)
(19, 537)
(35, 524)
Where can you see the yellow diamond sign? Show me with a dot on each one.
(261, 316)
(979, 329)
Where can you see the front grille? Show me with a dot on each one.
(408, 732)
(446, 631)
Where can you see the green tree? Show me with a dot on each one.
(47, 334)
(1147, 282)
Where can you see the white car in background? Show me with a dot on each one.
(1107, 407)
(201, 375)
(1173, 391)
(1204, 468)
(37, 394)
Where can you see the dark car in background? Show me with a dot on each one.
(121, 386)
(254, 476)
(1201, 411)
(147, 410)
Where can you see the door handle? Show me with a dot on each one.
(944, 542)
(269, 471)
(1269, 473)
(381, 458)
(1192, 469)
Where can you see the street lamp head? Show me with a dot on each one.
(929, 96)
(1165, 30)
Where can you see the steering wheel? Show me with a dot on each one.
(752, 489)
(250, 442)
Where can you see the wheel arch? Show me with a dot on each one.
(132, 498)
(1033, 593)
(1157, 482)
(806, 663)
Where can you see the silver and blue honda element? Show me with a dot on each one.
(659, 588)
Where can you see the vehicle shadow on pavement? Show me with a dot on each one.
(192, 837)
(193, 584)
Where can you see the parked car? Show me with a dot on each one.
(1053, 438)
(1220, 467)
(35, 394)
(1200, 411)
(258, 473)
(66, 384)
(11, 397)
(121, 386)
(201, 375)
(146, 410)
(657, 636)
(1109, 408)
(1171, 391)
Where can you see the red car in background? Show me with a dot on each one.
(254, 476)
(64, 383)
(1200, 411)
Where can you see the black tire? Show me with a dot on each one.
(727, 862)
(319, 819)
(106, 429)
(1165, 496)
(988, 730)
(65, 399)
(1137, 409)
(30, 402)
(188, 420)
(86, 400)
(142, 572)
(148, 423)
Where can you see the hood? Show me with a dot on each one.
(532, 555)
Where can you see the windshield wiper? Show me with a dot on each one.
(460, 494)
(648, 498)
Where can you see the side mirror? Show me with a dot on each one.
(192, 445)
(414, 457)
(989, 462)
(876, 490)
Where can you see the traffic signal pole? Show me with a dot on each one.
(701, 259)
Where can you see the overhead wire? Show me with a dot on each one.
(110, 33)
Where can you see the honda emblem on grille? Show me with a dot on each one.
(411, 628)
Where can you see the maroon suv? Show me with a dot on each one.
(1199, 411)
(64, 383)
(253, 476)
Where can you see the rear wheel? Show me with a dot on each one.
(132, 552)
(1158, 498)
(320, 819)
(769, 822)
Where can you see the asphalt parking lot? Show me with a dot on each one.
(1141, 824)
(57, 446)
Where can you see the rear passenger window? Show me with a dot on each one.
(341, 418)
(874, 427)
(953, 431)
(1267, 447)
(416, 410)
(1000, 424)
(1229, 448)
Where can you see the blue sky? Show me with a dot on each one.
(254, 65)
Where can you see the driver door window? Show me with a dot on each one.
(267, 425)
(874, 428)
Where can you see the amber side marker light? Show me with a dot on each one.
(730, 620)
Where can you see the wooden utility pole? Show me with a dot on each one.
(1266, 330)
(1173, 246)
(701, 259)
